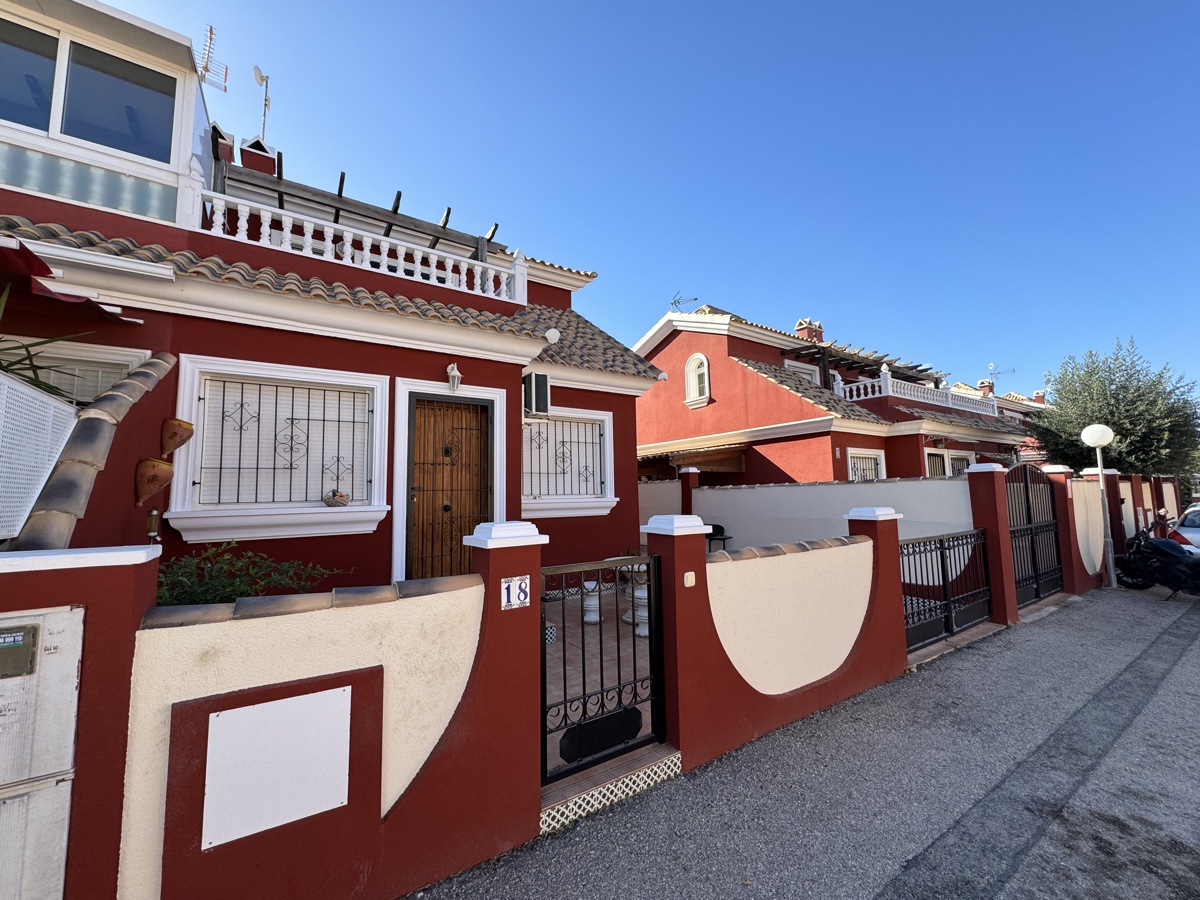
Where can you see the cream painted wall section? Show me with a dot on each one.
(1170, 500)
(787, 621)
(1126, 511)
(1089, 524)
(761, 515)
(425, 644)
(659, 498)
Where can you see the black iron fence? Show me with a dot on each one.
(946, 585)
(601, 662)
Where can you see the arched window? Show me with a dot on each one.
(696, 378)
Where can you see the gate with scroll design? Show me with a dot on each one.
(1034, 529)
(449, 483)
(602, 666)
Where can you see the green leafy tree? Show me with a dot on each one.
(1153, 413)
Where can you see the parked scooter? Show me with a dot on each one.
(1150, 560)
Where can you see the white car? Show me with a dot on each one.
(1186, 529)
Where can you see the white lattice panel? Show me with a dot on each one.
(34, 427)
(558, 817)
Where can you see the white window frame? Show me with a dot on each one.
(860, 451)
(200, 524)
(557, 507)
(405, 388)
(813, 373)
(53, 140)
(72, 352)
(969, 455)
(694, 397)
(945, 454)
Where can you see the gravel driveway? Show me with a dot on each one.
(1058, 758)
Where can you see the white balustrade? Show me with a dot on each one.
(319, 239)
(889, 386)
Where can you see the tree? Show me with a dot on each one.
(1154, 414)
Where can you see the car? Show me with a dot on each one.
(1186, 529)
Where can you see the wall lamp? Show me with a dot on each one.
(453, 376)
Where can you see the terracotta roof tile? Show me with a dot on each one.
(798, 383)
(582, 345)
(967, 420)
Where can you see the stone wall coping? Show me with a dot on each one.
(83, 558)
(745, 553)
(748, 487)
(873, 514)
(986, 467)
(1058, 470)
(676, 525)
(293, 604)
(493, 535)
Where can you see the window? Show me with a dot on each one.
(935, 465)
(811, 372)
(26, 75)
(82, 371)
(566, 461)
(959, 465)
(105, 100)
(279, 451)
(118, 104)
(696, 380)
(866, 465)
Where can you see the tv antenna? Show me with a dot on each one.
(264, 82)
(678, 300)
(211, 71)
(993, 371)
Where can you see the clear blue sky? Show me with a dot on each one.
(953, 182)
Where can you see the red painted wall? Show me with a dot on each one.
(843, 443)
(740, 398)
(114, 599)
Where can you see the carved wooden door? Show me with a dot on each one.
(449, 483)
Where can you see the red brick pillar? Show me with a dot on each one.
(689, 480)
(1076, 579)
(679, 543)
(1139, 503)
(989, 509)
(884, 629)
(1158, 493)
(1112, 489)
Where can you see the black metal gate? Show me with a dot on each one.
(946, 585)
(1034, 527)
(601, 662)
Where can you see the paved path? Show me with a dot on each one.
(1058, 758)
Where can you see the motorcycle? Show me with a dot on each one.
(1150, 560)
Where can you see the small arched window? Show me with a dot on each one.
(696, 378)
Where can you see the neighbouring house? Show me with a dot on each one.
(366, 387)
(749, 404)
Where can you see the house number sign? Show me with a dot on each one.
(514, 592)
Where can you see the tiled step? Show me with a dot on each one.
(567, 801)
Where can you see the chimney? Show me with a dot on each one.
(222, 144)
(258, 156)
(1039, 396)
(986, 386)
(809, 330)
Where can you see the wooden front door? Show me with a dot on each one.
(449, 483)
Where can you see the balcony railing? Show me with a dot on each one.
(294, 232)
(887, 386)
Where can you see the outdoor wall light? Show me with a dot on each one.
(453, 376)
(1101, 436)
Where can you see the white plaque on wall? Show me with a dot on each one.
(273, 763)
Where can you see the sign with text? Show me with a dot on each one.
(514, 592)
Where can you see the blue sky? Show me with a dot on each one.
(959, 183)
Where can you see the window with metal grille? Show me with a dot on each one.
(935, 465)
(284, 442)
(864, 468)
(562, 458)
(959, 464)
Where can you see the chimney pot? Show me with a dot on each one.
(809, 330)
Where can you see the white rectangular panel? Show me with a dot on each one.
(273, 763)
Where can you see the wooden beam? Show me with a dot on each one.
(317, 197)
(387, 231)
(337, 208)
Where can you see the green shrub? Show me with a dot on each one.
(217, 574)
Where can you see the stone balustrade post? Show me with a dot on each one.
(989, 510)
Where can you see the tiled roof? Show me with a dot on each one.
(963, 419)
(582, 345)
(850, 355)
(798, 384)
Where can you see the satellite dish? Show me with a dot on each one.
(259, 77)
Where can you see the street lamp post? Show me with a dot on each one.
(1101, 436)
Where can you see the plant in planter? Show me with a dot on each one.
(218, 574)
(18, 359)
